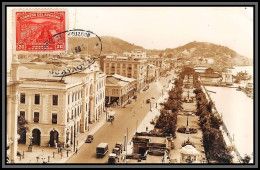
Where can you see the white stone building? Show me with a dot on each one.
(56, 109)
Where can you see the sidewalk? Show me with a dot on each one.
(51, 155)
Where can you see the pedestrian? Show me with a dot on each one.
(156, 105)
(146, 128)
(76, 150)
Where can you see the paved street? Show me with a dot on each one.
(125, 118)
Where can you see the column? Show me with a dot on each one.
(83, 114)
(13, 136)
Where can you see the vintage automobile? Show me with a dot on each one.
(111, 116)
(120, 146)
(112, 157)
(90, 138)
(116, 151)
(102, 150)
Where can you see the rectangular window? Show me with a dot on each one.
(37, 99)
(54, 118)
(22, 115)
(72, 97)
(22, 98)
(68, 99)
(36, 117)
(68, 117)
(55, 100)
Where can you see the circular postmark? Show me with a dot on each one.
(82, 42)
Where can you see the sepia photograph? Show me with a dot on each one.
(129, 84)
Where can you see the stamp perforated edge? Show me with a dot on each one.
(37, 9)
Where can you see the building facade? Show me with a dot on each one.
(56, 109)
(135, 68)
(153, 73)
(119, 89)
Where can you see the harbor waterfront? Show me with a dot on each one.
(248, 69)
(239, 125)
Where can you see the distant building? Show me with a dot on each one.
(130, 67)
(209, 77)
(227, 77)
(135, 54)
(119, 89)
(152, 73)
(159, 62)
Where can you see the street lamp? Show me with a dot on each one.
(125, 143)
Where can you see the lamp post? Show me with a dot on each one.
(125, 143)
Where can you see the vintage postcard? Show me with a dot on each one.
(130, 85)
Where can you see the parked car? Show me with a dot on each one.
(102, 149)
(112, 157)
(89, 139)
(116, 151)
(148, 101)
(119, 145)
(135, 97)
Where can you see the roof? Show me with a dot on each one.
(112, 155)
(124, 58)
(154, 139)
(123, 78)
(189, 150)
(115, 82)
(210, 75)
(102, 145)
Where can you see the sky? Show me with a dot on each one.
(163, 27)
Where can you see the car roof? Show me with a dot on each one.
(112, 155)
(102, 145)
(116, 148)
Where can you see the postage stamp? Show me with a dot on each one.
(34, 27)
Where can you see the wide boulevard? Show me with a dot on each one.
(125, 118)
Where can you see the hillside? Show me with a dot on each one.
(109, 45)
(220, 54)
